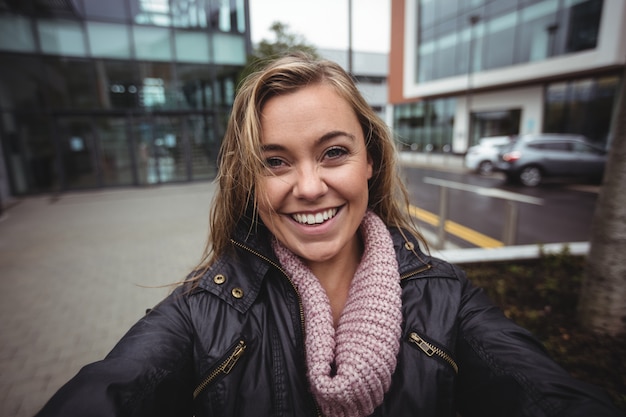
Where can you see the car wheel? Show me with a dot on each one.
(485, 168)
(530, 176)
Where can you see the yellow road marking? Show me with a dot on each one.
(460, 231)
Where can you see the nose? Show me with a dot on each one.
(309, 184)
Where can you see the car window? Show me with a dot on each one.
(584, 148)
(551, 146)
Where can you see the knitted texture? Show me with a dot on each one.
(365, 344)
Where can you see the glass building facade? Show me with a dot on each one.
(503, 33)
(116, 93)
(458, 43)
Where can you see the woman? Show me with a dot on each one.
(314, 297)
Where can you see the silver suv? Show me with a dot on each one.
(531, 158)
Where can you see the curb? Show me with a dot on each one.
(511, 253)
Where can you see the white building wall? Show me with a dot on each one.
(529, 100)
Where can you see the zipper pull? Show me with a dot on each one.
(232, 360)
(422, 344)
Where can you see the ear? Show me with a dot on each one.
(370, 166)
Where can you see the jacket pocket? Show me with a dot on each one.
(430, 349)
(224, 367)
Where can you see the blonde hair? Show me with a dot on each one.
(240, 161)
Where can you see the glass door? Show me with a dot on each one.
(116, 161)
(79, 154)
(161, 152)
(203, 147)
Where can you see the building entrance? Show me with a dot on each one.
(494, 123)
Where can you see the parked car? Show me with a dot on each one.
(531, 158)
(481, 158)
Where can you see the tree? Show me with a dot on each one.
(602, 304)
(284, 42)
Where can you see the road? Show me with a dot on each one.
(477, 208)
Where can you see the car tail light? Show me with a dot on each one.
(511, 156)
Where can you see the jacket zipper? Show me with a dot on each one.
(430, 350)
(223, 369)
(415, 272)
(295, 289)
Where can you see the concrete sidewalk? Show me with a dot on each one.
(77, 272)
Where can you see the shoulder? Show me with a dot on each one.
(415, 263)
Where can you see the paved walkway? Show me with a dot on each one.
(77, 272)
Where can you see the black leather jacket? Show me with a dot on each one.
(233, 346)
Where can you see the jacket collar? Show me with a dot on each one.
(237, 276)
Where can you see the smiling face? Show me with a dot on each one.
(315, 192)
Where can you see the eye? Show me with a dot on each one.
(335, 152)
(274, 162)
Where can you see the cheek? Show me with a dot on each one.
(270, 191)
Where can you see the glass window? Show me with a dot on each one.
(537, 31)
(425, 61)
(119, 84)
(241, 17)
(224, 86)
(21, 7)
(555, 146)
(446, 8)
(445, 65)
(116, 163)
(189, 13)
(194, 86)
(152, 43)
(72, 83)
(495, 123)
(496, 8)
(61, 37)
(581, 98)
(478, 44)
(426, 13)
(586, 149)
(224, 22)
(229, 49)
(109, 9)
(201, 132)
(581, 107)
(108, 40)
(162, 149)
(16, 34)
(556, 98)
(584, 24)
(79, 152)
(156, 90)
(192, 46)
(500, 41)
(151, 12)
(32, 156)
(22, 83)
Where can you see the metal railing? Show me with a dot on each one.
(509, 233)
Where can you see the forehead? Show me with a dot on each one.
(311, 110)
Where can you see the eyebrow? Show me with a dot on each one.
(319, 141)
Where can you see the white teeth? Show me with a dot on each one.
(317, 218)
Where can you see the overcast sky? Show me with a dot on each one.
(324, 23)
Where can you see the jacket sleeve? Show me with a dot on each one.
(505, 371)
(148, 373)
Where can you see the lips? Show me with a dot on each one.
(317, 218)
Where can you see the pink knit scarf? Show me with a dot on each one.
(350, 368)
